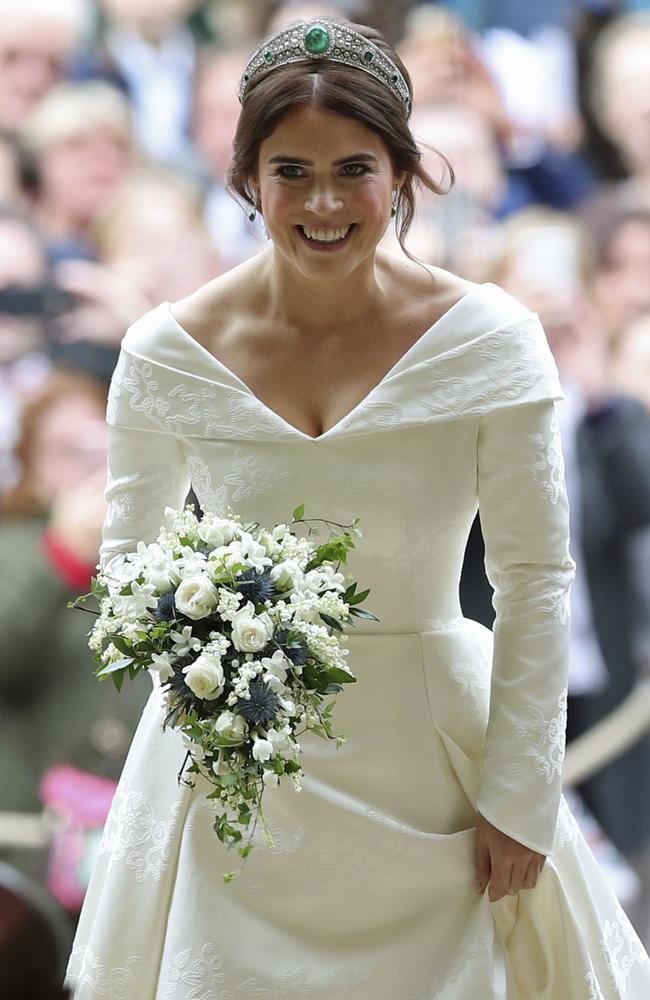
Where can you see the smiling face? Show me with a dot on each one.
(324, 172)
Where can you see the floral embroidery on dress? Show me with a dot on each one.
(595, 992)
(567, 829)
(548, 463)
(474, 684)
(213, 500)
(134, 835)
(622, 949)
(512, 364)
(194, 407)
(557, 603)
(198, 978)
(546, 739)
(86, 972)
(533, 736)
(245, 480)
(128, 504)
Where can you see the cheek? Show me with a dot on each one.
(372, 200)
(279, 200)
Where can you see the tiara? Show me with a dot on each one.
(302, 41)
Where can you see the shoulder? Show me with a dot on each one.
(219, 303)
(433, 291)
(200, 315)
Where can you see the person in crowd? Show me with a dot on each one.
(303, 10)
(131, 237)
(35, 936)
(215, 113)
(24, 361)
(619, 93)
(460, 231)
(538, 134)
(52, 709)
(81, 138)
(150, 52)
(630, 359)
(620, 265)
(17, 173)
(37, 40)
(447, 67)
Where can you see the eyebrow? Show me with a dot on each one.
(366, 157)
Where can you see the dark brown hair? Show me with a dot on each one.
(347, 91)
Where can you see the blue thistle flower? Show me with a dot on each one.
(294, 651)
(255, 586)
(262, 707)
(166, 608)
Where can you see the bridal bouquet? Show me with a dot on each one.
(243, 628)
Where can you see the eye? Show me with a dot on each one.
(288, 166)
(356, 170)
(362, 167)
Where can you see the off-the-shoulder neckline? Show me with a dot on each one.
(404, 359)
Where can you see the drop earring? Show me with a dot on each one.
(252, 215)
(393, 210)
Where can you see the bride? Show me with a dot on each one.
(433, 856)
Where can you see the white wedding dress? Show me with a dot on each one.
(368, 893)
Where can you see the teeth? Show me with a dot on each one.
(325, 235)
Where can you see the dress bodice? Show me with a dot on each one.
(465, 418)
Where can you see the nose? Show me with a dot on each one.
(323, 200)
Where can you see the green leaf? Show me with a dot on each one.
(299, 512)
(332, 622)
(124, 645)
(118, 680)
(357, 598)
(310, 676)
(118, 665)
(230, 876)
(245, 851)
(338, 676)
(363, 613)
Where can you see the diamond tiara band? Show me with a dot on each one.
(302, 41)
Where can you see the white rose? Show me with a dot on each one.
(216, 531)
(250, 632)
(196, 596)
(262, 749)
(230, 726)
(205, 677)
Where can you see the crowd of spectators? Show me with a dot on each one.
(116, 122)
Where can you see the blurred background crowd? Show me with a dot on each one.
(116, 122)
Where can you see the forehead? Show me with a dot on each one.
(315, 132)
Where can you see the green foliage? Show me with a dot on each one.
(112, 668)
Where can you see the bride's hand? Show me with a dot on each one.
(504, 863)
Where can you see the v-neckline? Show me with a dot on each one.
(212, 358)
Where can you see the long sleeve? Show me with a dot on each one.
(525, 520)
(146, 472)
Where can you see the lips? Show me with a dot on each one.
(327, 247)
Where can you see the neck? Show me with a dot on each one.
(306, 303)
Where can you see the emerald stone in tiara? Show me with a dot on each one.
(317, 40)
(322, 38)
